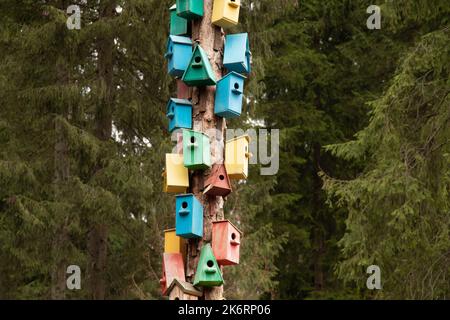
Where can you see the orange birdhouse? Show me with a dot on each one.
(226, 240)
(173, 268)
(218, 182)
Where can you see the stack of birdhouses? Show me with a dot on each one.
(189, 64)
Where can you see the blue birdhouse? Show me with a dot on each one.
(237, 55)
(189, 216)
(178, 55)
(229, 94)
(179, 112)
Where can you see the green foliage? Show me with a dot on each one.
(399, 205)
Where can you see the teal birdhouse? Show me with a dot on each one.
(237, 54)
(190, 9)
(178, 26)
(199, 71)
(178, 55)
(196, 151)
(229, 95)
(208, 272)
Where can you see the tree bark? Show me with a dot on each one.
(98, 236)
(211, 40)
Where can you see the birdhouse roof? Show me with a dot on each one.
(174, 7)
(246, 136)
(186, 287)
(179, 39)
(226, 220)
(181, 101)
(169, 230)
(234, 74)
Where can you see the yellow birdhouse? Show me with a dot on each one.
(176, 175)
(174, 243)
(226, 13)
(236, 157)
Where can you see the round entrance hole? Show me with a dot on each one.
(233, 236)
(221, 177)
(236, 86)
(184, 205)
(198, 59)
(210, 263)
(192, 139)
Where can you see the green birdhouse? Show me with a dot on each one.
(190, 9)
(199, 71)
(196, 151)
(178, 25)
(208, 272)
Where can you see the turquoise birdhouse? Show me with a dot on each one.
(237, 54)
(179, 112)
(229, 96)
(178, 26)
(208, 273)
(199, 72)
(190, 9)
(178, 55)
(196, 150)
(189, 216)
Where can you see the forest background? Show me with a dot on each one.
(364, 177)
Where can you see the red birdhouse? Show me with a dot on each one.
(226, 240)
(173, 268)
(183, 91)
(218, 182)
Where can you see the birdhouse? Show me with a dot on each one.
(218, 183)
(199, 71)
(208, 273)
(178, 26)
(229, 95)
(176, 175)
(226, 240)
(196, 150)
(178, 55)
(189, 216)
(190, 9)
(226, 13)
(181, 290)
(236, 157)
(174, 243)
(237, 55)
(173, 268)
(179, 112)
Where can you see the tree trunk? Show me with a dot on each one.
(61, 175)
(98, 236)
(211, 40)
(318, 241)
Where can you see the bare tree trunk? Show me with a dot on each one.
(211, 40)
(61, 236)
(318, 233)
(61, 175)
(98, 236)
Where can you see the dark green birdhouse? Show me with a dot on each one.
(190, 9)
(199, 71)
(196, 150)
(178, 26)
(208, 272)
